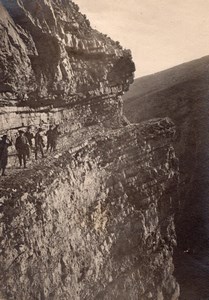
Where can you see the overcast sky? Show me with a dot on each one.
(160, 33)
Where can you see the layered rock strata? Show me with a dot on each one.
(183, 96)
(95, 223)
(50, 54)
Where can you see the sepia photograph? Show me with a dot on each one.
(104, 150)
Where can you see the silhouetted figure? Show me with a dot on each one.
(49, 134)
(55, 134)
(29, 135)
(39, 143)
(22, 147)
(4, 144)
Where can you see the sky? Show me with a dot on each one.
(160, 33)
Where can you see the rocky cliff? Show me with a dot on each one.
(95, 223)
(59, 56)
(181, 93)
(95, 220)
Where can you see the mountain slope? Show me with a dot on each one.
(182, 93)
(168, 78)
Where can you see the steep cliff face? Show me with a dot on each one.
(182, 94)
(96, 223)
(51, 54)
(94, 220)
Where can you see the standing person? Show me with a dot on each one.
(4, 144)
(22, 147)
(29, 135)
(39, 143)
(55, 134)
(49, 138)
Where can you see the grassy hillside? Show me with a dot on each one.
(163, 93)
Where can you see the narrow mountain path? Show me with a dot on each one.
(69, 142)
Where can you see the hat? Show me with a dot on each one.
(4, 136)
(20, 131)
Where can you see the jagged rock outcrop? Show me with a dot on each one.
(96, 223)
(50, 54)
(95, 220)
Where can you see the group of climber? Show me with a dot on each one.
(25, 142)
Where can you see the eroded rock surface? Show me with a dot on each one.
(50, 54)
(96, 223)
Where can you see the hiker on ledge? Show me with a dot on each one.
(22, 147)
(29, 135)
(4, 144)
(39, 143)
(55, 135)
(49, 138)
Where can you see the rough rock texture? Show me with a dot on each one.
(96, 225)
(181, 93)
(50, 54)
(95, 220)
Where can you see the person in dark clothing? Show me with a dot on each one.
(49, 138)
(39, 144)
(22, 147)
(29, 135)
(4, 144)
(55, 134)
